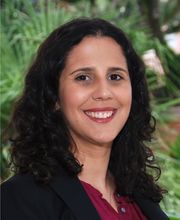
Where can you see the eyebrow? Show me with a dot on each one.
(118, 69)
(86, 69)
(90, 69)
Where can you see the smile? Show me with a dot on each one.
(101, 115)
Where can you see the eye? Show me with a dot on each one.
(82, 78)
(115, 77)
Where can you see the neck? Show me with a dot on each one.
(95, 160)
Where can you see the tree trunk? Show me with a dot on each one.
(150, 10)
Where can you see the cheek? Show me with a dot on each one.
(129, 96)
(125, 95)
(129, 99)
(71, 98)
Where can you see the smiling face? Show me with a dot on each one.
(95, 91)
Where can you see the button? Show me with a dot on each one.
(123, 210)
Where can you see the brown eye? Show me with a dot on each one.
(115, 77)
(82, 78)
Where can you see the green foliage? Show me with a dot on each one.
(160, 108)
(175, 148)
(25, 25)
(171, 66)
(169, 180)
(4, 160)
(174, 218)
(22, 32)
(170, 15)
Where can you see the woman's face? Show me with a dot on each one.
(95, 91)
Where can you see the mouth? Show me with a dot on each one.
(101, 115)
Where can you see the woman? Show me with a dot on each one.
(80, 131)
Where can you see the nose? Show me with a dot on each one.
(102, 91)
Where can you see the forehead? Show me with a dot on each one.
(96, 48)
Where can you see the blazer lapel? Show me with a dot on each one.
(72, 192)
(150, 209)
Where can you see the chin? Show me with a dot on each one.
(104, 142)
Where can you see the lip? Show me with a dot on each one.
(101, 120)
(100, 109)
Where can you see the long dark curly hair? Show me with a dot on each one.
(40, 138)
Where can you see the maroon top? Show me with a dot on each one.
(126, 210)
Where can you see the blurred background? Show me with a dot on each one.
(154, 28)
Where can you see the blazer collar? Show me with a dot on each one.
(150, 209)
(72, 192)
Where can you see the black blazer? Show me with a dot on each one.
(64, 198)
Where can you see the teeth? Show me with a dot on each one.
(100, 114)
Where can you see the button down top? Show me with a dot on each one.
(127, 210)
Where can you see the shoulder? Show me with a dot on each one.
(24, 198)
(18, 181)
(23, 185)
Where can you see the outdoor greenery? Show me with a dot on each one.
(24, 25)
